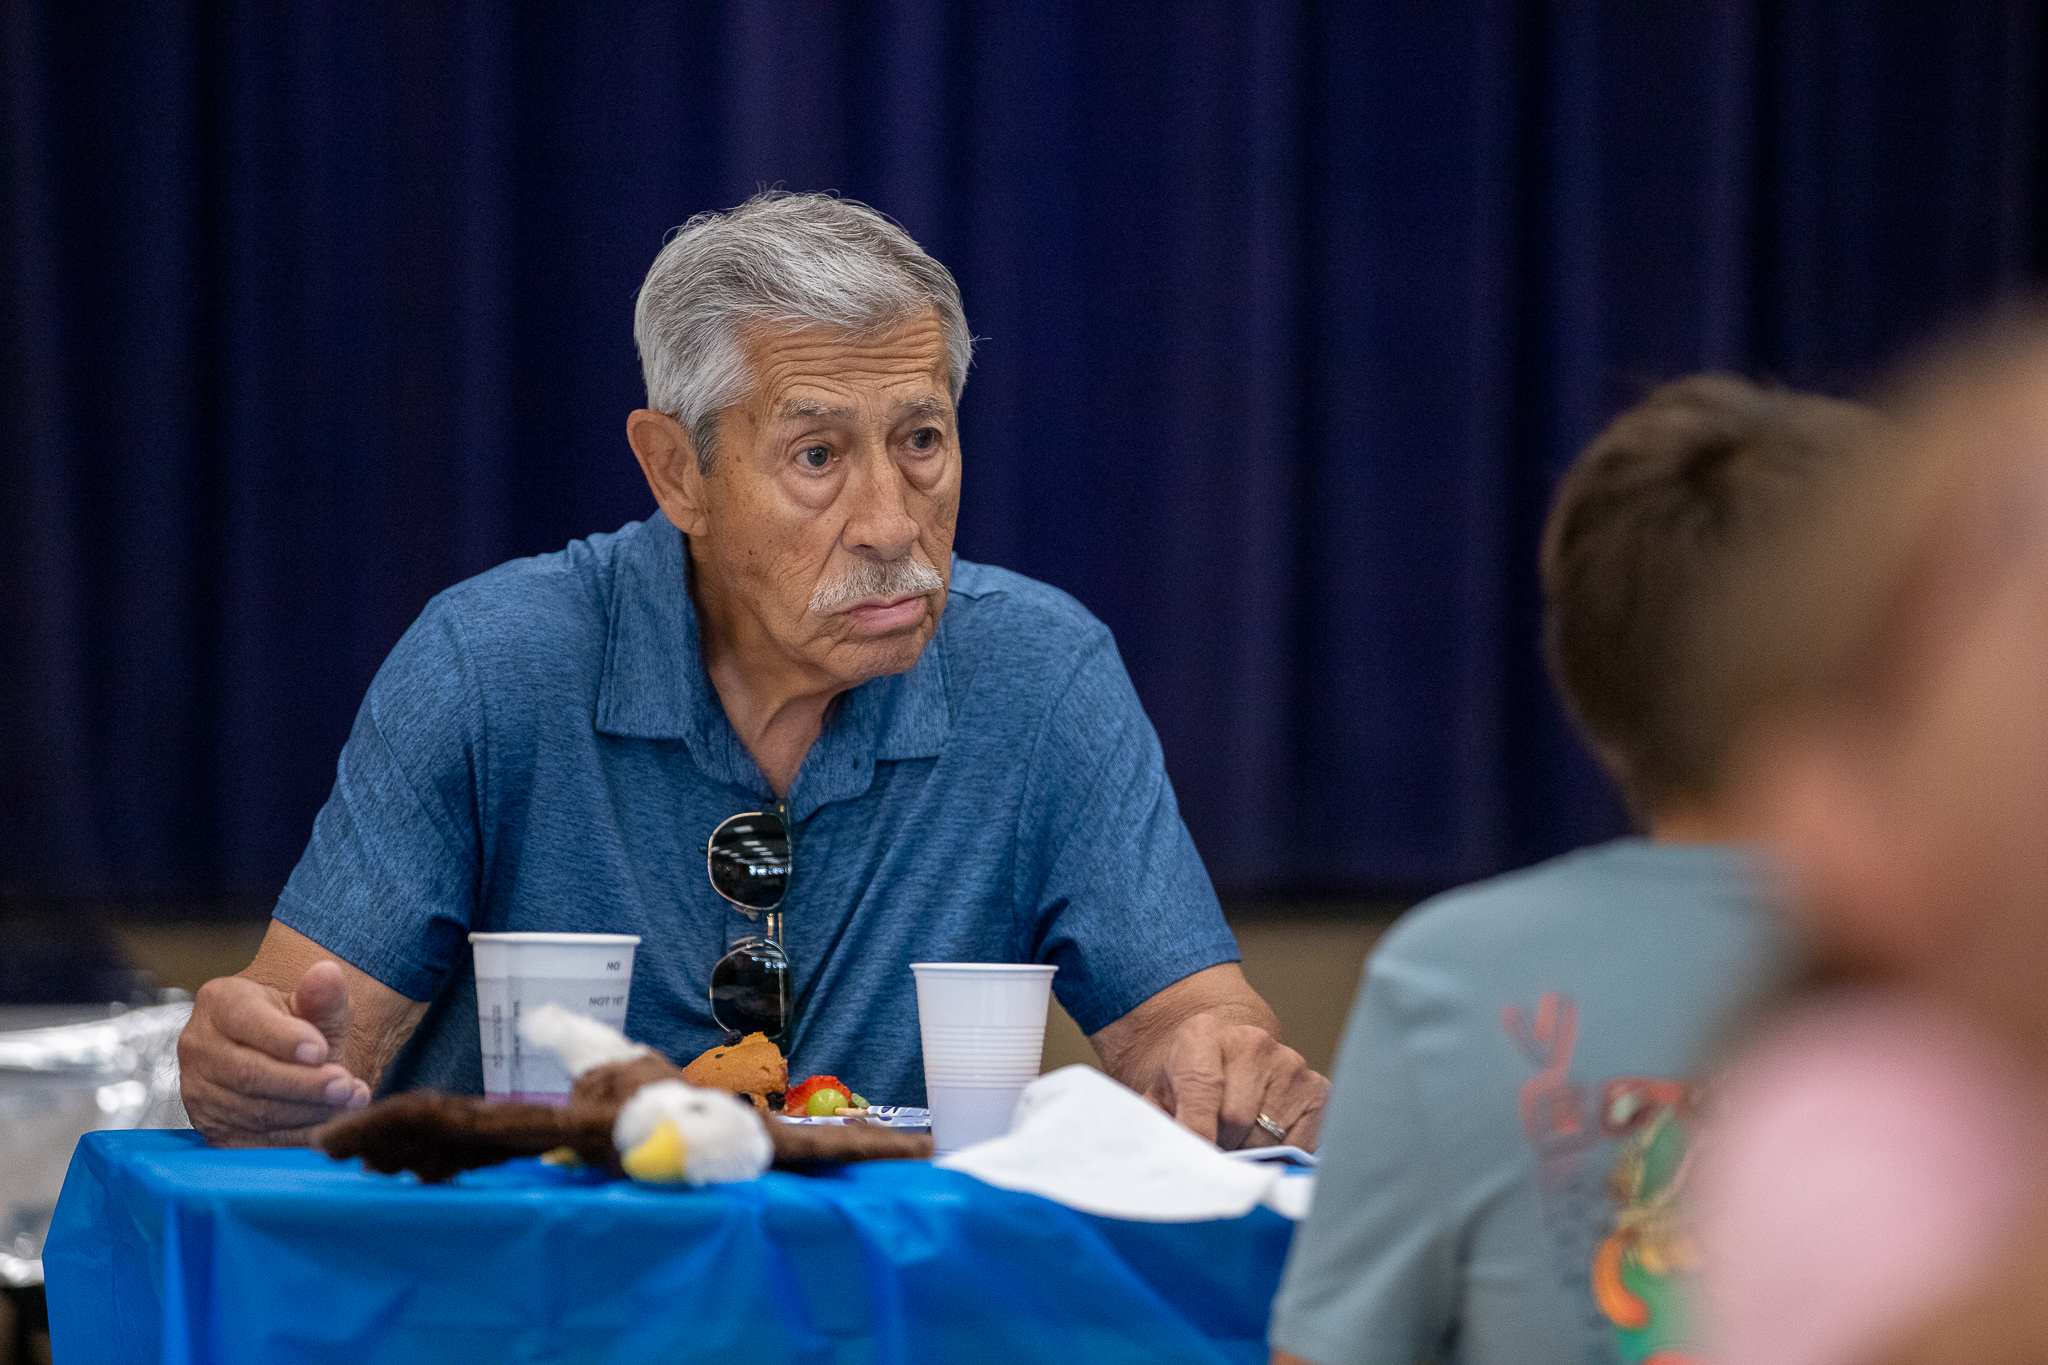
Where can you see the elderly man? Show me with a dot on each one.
(952, 753)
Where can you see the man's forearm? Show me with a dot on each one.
(382, 1020)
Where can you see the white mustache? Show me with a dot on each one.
(876, 578)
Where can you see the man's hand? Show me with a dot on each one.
(1207, 1051)
(255, 1065)
(294, 1040)
(1218, 1077)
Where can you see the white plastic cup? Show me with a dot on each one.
(590, 974)
(983, 1028)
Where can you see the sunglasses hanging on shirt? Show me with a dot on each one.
(749, 862)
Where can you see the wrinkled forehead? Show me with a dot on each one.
(823, 372)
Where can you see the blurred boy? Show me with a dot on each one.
(1507, 1135)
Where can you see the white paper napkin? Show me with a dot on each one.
(1085, 1141)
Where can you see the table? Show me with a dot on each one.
(165, 1251)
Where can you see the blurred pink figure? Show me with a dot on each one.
(1874, 1161)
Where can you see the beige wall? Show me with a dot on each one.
(186, 955)
(1306, 966)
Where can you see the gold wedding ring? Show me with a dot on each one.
(1273, 1130)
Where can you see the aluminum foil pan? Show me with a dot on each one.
(118, 1069)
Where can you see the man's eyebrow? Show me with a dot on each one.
(800, 409)
(931, 405)
(810, 407)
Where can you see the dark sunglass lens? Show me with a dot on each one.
(750, 990)
(750, 860)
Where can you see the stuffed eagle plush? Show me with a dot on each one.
(630, 1112)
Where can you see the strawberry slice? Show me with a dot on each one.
(797, 1102)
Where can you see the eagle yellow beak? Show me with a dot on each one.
(661, 1158)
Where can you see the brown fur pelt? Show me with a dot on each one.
(436, 1135)
(609, 1087)
(805, 1147)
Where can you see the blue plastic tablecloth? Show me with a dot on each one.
(163, 1250)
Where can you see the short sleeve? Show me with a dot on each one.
(1373, 1273)
(389, 879)
(1120, 901)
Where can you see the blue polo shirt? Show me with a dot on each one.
(544, 751)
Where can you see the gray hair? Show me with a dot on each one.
(786, 260)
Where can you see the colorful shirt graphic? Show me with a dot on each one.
(1642, 1269)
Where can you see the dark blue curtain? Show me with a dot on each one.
(1293, 314)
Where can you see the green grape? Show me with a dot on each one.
(859, 1103)
(825, 1103)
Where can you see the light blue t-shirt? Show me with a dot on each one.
(543, 751)
(1503, 1157)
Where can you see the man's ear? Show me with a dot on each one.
(669, 460)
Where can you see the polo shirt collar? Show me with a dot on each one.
(653, 686)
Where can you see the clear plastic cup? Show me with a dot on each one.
(983, 1029)
(591, 974)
